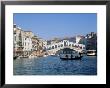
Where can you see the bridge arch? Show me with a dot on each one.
(55, 46)
(52, 47)
(65, 43)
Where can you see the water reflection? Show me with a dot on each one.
(55, 66)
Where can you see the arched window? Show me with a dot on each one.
(72, 45)
(49, 48)
(44, 48)
(65, 43)
(55, 46)
(52, 47)
(69, 44)
(61, 45)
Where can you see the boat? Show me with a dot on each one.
(32, 56)
(15, 57)
(70, 54)
(53, 55)
(91, 53)
(45, 55)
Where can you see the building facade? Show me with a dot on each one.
(17, 39)
(26, 43)
(91, 41)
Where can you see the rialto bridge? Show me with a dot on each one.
(51, 49)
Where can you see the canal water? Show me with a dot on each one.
(55, 66)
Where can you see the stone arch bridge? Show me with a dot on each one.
(55, 47)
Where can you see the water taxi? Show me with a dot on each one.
(69, 54)
(91, 53)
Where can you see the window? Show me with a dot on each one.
(52, 47)
(15, 38)
(72, 45)
(61, 45)
(55, 46)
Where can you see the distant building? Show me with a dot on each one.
(91, 41)
(79, 38)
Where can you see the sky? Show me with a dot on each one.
(58, 25)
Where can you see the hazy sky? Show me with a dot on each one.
(48, 26)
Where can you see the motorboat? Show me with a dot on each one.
(91, 53)
(70, 54)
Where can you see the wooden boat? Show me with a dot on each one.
(70, 54)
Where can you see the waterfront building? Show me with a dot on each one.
(79, 38)
(34, 46)
(44, 44)
(91, 41)
(91, 35)
(40, 47)
(29, 33)
(17, 37)
(82, 40)
(34, 43)
(26, 43)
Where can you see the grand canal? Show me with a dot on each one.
(55, 66)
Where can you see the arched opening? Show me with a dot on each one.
(69, 44)
(66, 56)
(72, 45)
(65, 43)
(55, 46)
(52, 47)
(71, 56)
(61, 45)
(49, 48)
